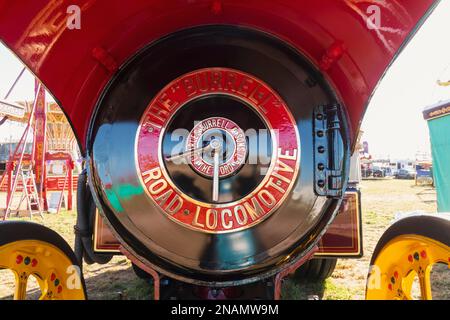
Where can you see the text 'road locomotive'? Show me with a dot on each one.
(216, 135)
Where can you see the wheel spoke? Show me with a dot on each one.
(43, 285)
(45, 295)
(425, 284)
(20, 291)
(407, 284)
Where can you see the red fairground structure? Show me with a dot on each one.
(52, 142)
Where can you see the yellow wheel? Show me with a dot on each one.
(406, 251)
(29, 249)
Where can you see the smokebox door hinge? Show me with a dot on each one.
(328, 151)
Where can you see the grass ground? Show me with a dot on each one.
(381, 200)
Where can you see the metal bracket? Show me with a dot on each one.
(150, 271)
(328, 151)
(284, 273)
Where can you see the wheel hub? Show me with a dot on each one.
(212, 135)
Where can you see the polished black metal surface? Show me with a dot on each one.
(188, 255)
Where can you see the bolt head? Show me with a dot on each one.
(215, 144)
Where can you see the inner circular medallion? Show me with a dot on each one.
(212, 136)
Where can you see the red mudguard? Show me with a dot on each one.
(351, 41)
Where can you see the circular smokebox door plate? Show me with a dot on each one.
(215, 151)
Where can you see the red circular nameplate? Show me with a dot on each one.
(218, 217)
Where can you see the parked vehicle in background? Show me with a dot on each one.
(388, 172)
(424, 177)
(424, 173)
(406, 174)
(378, 172)
(366, 172)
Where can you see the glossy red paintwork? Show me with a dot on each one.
(75, 65)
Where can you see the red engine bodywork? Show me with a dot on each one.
(75, 65)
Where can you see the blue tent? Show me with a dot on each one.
(438, 117)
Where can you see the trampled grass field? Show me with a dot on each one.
(381, 200)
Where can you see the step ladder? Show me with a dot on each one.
(24, 171)
(29, 192)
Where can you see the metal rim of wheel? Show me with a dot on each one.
(56, 275)
(399, 262)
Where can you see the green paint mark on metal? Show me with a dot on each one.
(120, 193)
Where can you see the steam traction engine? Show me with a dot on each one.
(216, 134)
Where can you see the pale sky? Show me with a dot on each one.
(393, 125)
